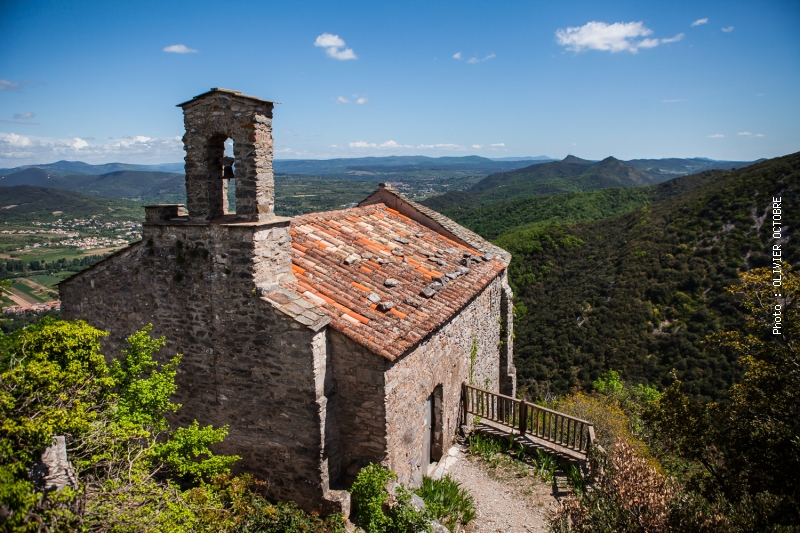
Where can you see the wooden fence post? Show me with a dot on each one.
(523, 418)
(464, 404)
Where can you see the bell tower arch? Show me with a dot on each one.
(210, 119)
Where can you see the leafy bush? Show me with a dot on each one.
(485, 446)
(377, 511)
(629, 495)
(130, 465)
(447, 501)
(611, 422)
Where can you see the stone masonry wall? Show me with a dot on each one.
(443, 359)
(358, 385)
(244, 364)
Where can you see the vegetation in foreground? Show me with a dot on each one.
(381, 510)
(678, 465)
(133, 472)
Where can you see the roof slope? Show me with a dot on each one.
(385, 280)
(432, 219)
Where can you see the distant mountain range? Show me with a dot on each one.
(134, 184)
(348, 166)
(507, 178)
(572, 174)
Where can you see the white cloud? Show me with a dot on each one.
(14, 140)
(699, 22)
(477, 146)
(717, 136)
(6, 85)
(758, 135)
(748, 134)
(342, 100)
(744, 133)
(498, 145)
(672, 101)
(616, 37)
(327, 40)
(18, 149)
(728, 29)
(335, 47)
(473, 60)
(24, 116)
(179, 49)
(393, 144)
(457, 55)
(648, 43)
(79, 143)
(673, 39)
(362, 100)
(440, 146)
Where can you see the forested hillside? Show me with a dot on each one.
(24, 203)
(640, 292)
(570, 175)
(499, 218)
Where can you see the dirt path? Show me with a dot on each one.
(507, 499)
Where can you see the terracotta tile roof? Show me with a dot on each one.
(384, 280)
(393, 198)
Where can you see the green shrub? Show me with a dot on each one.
(376, 511)
(485, 446)
(447, 501)
(134, 472)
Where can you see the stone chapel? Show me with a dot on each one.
(325, 341)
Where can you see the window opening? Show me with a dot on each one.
(228, 179)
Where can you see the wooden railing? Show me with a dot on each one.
(528, 418)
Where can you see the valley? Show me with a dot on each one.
(603, 250)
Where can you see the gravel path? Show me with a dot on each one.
(508, 499)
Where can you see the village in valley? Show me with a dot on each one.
(36, 255)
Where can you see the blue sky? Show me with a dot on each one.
(98, 81)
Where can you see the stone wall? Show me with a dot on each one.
(358, 391)
(244, 364)
(442, 359)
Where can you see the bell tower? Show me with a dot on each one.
(211, 119)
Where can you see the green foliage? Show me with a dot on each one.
(485, 446)
(473, 354)
(131, 467)
(727, 467)
(375, 512)
(447, 501)
(597, 307)
(143, 390)
(232, 504)
(748, 447)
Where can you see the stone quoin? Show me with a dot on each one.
(326, 341)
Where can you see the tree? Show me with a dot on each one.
(749, 447)
(54, 381)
